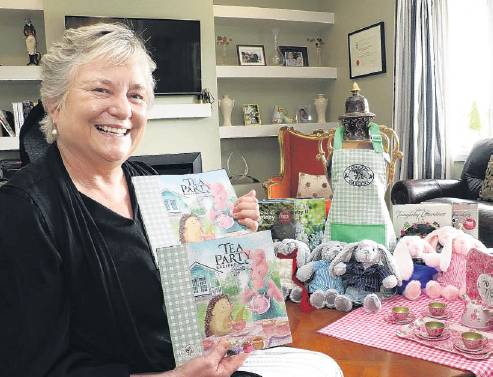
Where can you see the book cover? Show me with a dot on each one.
(186, 208)
(465, 217)
(420, 219)
(223, 288)
(309, 215)
(277, 215)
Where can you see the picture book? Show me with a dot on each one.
(420, 219)
(300, 219)
(186, 208)
(465, 217)
(223, 288)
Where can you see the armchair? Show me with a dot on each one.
(463, 190)
(298, 154)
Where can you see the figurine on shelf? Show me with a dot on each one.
(31, 43)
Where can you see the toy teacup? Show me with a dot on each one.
(437, 309)
(473, 340)
(434, 328)
(400, 313)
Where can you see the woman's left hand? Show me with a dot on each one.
(246, 210)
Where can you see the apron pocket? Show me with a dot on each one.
(358, 232)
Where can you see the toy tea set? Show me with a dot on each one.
(474, 339)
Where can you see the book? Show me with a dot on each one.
(420, 219)
(223, 288)
(186, 208)
(300, 219)
(5, 124)
(465, 217)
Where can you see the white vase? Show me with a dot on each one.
(226, 105)
(320, 103)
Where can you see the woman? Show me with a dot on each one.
(80, 292)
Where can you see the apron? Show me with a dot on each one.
(359, 179)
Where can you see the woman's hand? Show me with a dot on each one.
(214, 364)
(246, 210)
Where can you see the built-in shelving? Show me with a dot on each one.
(21, 4)
(269, 17)
(9, 143)
(180, 110)
(232, 71)
(20, 73)
(269, 130)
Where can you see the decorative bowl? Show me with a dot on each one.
(437, 309)
(434, 328)
(400, 313)
(472, 340)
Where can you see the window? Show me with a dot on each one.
(468, 75)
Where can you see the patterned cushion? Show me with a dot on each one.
(313, 186)
(486, 192)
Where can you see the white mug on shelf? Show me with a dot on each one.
(226, 105)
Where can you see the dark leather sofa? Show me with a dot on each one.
(466, 189)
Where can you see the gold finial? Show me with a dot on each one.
(356, 88)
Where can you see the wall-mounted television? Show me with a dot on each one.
(173, 44)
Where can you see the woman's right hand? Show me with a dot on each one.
(214, 364)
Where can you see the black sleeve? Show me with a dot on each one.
(34, 302)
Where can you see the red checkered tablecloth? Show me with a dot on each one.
(372, 330)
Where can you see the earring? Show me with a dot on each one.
(54, 132)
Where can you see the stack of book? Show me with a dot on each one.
(219, 279)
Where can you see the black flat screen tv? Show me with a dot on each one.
(173, 44)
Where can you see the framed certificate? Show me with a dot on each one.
(367, 51)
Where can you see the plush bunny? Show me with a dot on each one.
(296, 254)
(451, 280)
(366, 269)
(323, 287)
(415, 275)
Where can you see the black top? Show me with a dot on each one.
(70, 304)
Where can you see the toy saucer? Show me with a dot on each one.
(458, 345)
(446, 315)
(389, 318)
(421, 333)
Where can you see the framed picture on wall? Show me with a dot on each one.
(251, 55)
(367, 51)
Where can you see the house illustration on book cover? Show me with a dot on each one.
(186, 208)
(228, 287)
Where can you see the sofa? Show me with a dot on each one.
(466, 189)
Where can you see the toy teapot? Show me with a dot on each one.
(477, 315)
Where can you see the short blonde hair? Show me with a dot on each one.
(114, 42)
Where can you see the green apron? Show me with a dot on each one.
(359, 179)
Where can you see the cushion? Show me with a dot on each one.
(313, 186)
(486, 192)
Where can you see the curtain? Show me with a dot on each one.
(419, 112)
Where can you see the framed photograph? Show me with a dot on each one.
(251, 55)
(367, 51)
(294, 56)
(251, 115)
(303, 114)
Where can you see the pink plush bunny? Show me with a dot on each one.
(451, 280)
(414, 276)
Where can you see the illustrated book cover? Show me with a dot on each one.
(465, 217)
(223, 288)
(186, 208)
(420, 219)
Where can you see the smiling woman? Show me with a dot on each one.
(83, 292)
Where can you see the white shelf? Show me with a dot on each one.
(20, 73)
(233, 15)
(269, 130)
(233, 71)
(180, 110)
(9, 143)
(22, 4)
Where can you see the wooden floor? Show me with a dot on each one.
(357, 359)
